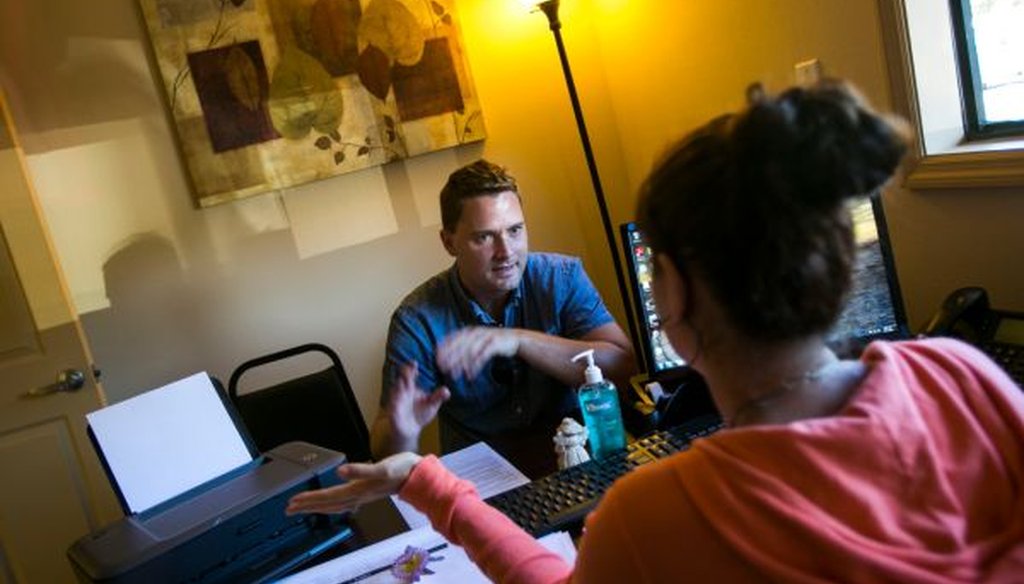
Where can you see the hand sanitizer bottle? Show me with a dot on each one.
(599, 401)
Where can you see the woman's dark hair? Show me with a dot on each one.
(755, 202)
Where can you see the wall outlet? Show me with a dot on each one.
(808, 72)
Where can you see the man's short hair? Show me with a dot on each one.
(473, 180)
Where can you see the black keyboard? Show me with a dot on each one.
(561, 500)
(1009, 357)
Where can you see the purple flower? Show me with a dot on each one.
(412, 564)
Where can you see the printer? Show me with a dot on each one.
(201, 503)
(233, 531)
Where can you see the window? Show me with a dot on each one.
(990, 55)
(920, 45)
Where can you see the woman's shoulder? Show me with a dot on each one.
(937, 361)
(934, 346)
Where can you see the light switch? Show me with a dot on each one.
(808, 72)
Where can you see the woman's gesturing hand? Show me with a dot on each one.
(364, 483)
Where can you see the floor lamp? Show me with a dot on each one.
(550, 9)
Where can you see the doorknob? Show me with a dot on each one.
(67, 381)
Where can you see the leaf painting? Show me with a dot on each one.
(334, 29)
(303, 97)
(375, 72)
(231, 84)
(243, 79)
(392, 28)
(275, 93)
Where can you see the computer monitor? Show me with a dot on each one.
(658, 355)
(874, 308)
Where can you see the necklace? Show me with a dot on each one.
(784, 387)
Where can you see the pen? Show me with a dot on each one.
(383, 569)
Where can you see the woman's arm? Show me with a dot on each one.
(502, 550)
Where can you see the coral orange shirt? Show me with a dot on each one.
(919, 478)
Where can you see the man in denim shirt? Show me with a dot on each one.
(488, 342)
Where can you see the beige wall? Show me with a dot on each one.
(670, 66)
(165, 289)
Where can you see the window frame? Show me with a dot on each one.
(970, 79)
(953, 163)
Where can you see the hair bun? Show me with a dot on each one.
(756, 93)
(816, 145)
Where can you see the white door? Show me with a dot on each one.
(52, 488)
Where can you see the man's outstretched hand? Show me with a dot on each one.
(410, 408)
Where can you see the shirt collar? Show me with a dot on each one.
(470, 307)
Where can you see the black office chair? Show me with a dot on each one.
(318, 408)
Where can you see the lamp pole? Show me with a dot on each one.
(550, 9)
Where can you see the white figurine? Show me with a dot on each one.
(569, 441)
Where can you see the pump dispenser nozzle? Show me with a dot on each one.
(593, 373)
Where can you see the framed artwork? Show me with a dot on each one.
(267, 94)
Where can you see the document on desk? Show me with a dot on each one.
(478, 464)
(449, 563)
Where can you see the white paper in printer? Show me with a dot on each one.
(163, 442)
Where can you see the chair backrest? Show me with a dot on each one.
(318, 407)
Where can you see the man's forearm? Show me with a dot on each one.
(384, 441)
(553, 355)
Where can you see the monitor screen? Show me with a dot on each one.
(658, 353)
(873, 310)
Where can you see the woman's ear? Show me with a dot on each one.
(670, 291)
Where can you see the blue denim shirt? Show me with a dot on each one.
(555, 296)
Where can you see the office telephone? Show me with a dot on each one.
(966, 314)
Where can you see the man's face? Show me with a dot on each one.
(489, 245)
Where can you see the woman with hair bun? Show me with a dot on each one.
(906, 465)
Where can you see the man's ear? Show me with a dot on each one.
(670, 290)
(448, 240)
